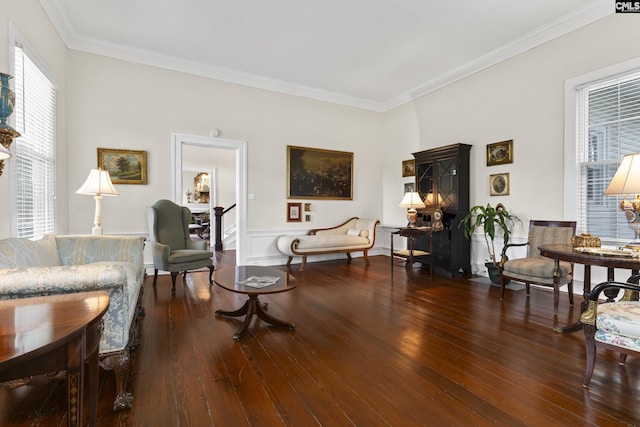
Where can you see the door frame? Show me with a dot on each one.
(240, 147)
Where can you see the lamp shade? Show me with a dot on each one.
(411, 200)
(98, 184)
(627, 177)
(4, 153)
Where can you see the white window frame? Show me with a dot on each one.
(571, 89)
(15, 39)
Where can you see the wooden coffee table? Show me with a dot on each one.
(229, 279)
(42, 335)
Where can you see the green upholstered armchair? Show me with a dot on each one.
(172, 247)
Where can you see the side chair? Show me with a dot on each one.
(610, 324)
(534, 269)
(171, 245)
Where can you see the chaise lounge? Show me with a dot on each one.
(353, 235)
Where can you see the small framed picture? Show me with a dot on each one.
(307, 218)
(409, 167)
(294, 212)
(307, 207)
(409, 187)
(499, 184)
(500, 153)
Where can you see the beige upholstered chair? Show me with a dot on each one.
(612, 324)
(536, 269)
(172, 247)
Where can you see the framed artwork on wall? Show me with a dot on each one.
(500, 153)
(124, 166)
(408, 168)
(294, 212)
(313, 173)
(409, 187)
(499, 184)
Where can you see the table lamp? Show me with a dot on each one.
(412, 200)
(98, 184)
(626, 181)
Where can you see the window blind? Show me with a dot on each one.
(608, 128)
(35, 148)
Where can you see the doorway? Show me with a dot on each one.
(239, 148)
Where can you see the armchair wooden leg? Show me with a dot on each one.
(366, 257)
(348, 257)
(590, 344)
(289, 261)
(623, 358)
(174, 274)
(556, 299)
(211, 268)
(155, 277)
(502, 286)
(304, 262)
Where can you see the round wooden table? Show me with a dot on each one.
(588, 256)
(41, 335)
(231, 279)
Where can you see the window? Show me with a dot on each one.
(608, 127)
(34, 162)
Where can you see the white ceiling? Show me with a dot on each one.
(372, 54)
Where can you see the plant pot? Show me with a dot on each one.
(494, 273)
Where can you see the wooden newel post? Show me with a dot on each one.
(219, 211)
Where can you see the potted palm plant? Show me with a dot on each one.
(493, 222)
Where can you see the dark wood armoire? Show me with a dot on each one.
(442, 179)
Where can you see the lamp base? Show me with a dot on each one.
(412, 216)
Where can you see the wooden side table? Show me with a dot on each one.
(42, 335)
(412, 234)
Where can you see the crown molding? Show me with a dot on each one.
(581, 17)
(564, 25)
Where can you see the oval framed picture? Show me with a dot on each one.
(499, 184)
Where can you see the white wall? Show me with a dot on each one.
(116, 104)
(520, 99)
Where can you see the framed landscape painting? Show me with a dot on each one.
(313, 173)
(124, 166)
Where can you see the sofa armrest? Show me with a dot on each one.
(39, 281)
(338, 229)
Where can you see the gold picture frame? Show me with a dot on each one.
(313, 173)
(499, 184)
(500, 153)
(408, 168)
(124, 166)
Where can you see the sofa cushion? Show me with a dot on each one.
(23, 253)
(535, 267)
(333, 241)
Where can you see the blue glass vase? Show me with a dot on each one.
(7, 101)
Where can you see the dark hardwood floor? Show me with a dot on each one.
(365, 353)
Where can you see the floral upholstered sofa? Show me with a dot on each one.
(353, 235)
(69, 264)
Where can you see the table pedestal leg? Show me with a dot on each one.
(574, 327)
(253, 307)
